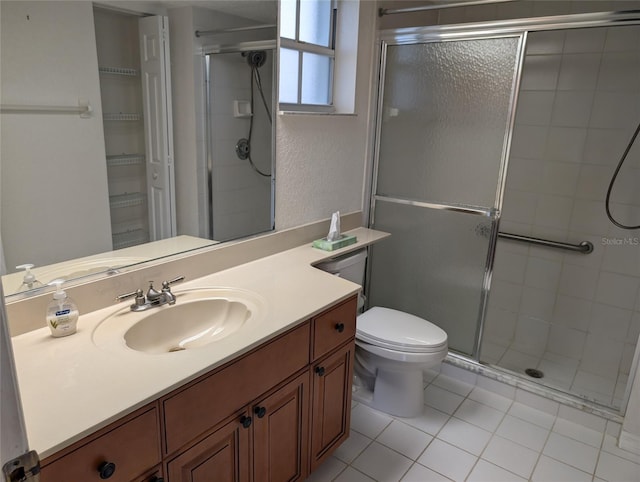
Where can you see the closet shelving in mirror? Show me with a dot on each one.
(118, 71)
(127, 200)
(125, 160)
(122, 116)
(129, 238)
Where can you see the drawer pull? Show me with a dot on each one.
(106, 469)
(260, 411)
(320, 371)
(339, 327)
(245, 421)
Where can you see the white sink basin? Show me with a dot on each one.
(199, 317)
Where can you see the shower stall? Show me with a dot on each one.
(240, 108)
(496, 144)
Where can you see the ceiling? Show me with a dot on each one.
(259, 10)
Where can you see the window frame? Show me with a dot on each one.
(302, 47)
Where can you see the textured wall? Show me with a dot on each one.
(321, 158)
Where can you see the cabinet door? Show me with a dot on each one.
(281, 429)
(331, 403)
(223, 456)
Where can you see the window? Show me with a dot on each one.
(307, 54)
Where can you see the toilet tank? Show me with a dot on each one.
(350, 266)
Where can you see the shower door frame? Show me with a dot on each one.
(481, 31)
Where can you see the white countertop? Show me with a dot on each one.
(70, 387)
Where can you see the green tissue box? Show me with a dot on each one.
(344, 240)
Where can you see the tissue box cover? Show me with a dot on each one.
(344, 240)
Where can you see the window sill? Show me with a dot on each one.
(301, 112)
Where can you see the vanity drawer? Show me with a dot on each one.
(203, 404)
(334, 327)
(114, 446)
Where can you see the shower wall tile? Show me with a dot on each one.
(506, 295)
(623, 39)
(572, 312)
(589, 217)
(560, 178)
(578, 281)
(529, 142)
(584, 40)
(542, 72)
(542, 273)
(509, 267)
(565, 144)
(549, 42)
(614, 110)
(572, 108)
(620, 72)
(605, 146)
(610, 322)
(579, 71)
(566, 341)
(592, 182)
(531, 335)
(521, 207)
(536, 107)
(537, 303)
(524, 174)
(601, 357)
(554, 211)
(628, 352)
(617, 289)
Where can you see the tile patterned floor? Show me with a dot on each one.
(467, 433)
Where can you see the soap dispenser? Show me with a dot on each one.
(62, 312)
(29, 280)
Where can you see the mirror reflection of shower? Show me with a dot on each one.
(241, 100)
(255, 60)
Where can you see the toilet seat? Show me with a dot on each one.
(399, 331)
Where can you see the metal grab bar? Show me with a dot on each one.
(585, 247)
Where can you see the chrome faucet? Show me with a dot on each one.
(153, 297)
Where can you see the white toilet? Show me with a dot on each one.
(392, 349)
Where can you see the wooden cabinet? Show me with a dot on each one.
(109, 453)
(280, 433)
(273, 414)
(222, 456)
(331, 404)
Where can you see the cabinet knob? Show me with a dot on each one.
(106, 469)
(260, 411)
(339, 327)
(245, 421)
(320, 371)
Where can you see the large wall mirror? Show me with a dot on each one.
(176, 151)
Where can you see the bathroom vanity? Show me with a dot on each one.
(264, 416)
(269, 402)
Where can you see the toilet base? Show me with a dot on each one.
(398, 393)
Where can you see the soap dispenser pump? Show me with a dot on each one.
(62, 312)
(29, 280)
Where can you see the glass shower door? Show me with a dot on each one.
(443, 134)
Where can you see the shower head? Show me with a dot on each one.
(255, 58)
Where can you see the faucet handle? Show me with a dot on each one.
(165, 284)
(137, 293)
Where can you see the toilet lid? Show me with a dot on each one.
(398, 330)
